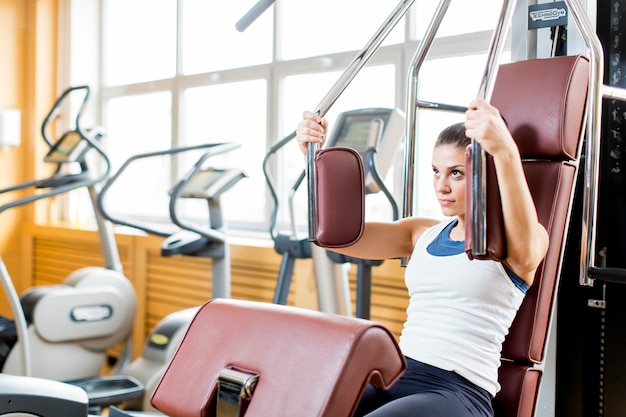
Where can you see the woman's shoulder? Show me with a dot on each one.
(419, 225)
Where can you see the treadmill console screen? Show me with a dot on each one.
(199, 185)
(352, 129)
(210, 182)
(69, 148)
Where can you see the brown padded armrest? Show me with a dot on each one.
(340, 197)
(309, 363)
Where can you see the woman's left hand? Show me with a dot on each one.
(484, 123)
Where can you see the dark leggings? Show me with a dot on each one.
(426, 391)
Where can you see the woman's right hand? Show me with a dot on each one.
(312, 128)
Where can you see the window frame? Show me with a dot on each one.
(399, 55)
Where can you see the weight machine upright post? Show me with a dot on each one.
(479, 175)
(411, 107)
(592, 148)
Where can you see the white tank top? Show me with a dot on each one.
(459, 311)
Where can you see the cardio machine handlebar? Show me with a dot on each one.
(212, 150)
(56, 108)
(210, 233)
(92, 139)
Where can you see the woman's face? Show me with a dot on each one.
(449, 179)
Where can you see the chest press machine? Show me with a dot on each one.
(550, 144)
(252, 374)
(548, 132)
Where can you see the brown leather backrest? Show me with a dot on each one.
(551, 184)
(309, 363)
(543, 102)
(518, 398)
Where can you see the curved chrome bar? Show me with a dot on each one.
(614, 92)
(270, 182)
(479, 175)
(486, 87)
(412, 103)
(213, 148)
(592, 157)
(56, 108)
(214, 235)
(253, 14)
(337, 89)
(20, 320)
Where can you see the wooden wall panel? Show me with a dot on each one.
(55, 259)
(389, 294)
(174, 284)
(13, 50)
(255, 274)
(165, 285)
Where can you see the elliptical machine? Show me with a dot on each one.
(200, 182)
(64, 331)
(375, 133)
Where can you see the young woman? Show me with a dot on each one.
(459, 310)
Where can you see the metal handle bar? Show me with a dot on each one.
(337, 89)
(479, 180)
(86, 182)
(20, 319)
(594, 113)
(270, 182)
(479, 175)
(56, 108)
(85, 135)
(215, 148)
(429, 105)
(252, 14)
(56, 191)
(411, 106)
(212, 234)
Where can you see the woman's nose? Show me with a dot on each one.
(441, 184)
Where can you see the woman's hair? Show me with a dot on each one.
(453, 135)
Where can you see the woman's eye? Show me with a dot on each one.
(457, 173)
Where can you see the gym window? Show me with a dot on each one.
(177, 72)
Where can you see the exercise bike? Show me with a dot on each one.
(64, 331)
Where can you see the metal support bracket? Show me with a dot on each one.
(234, 392)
